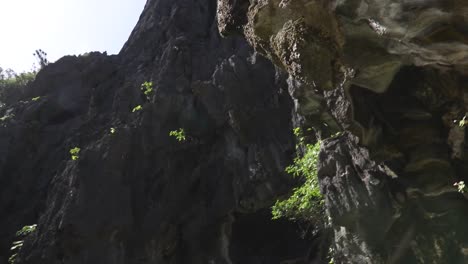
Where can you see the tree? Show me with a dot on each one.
(41, 57)
(13, 85)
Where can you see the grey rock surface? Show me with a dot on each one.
(136, 194)
(392, 75)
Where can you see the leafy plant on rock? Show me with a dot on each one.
(16, 246)
(74, 152)
(137, 108)
(461, 187)
(147, 88)
(178, 134)
(462, 122)
(6, 117)
(306, 201)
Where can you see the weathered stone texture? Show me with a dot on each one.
(393, 75)
(138, 195)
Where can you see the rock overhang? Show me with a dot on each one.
(316, 40)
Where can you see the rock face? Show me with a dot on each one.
(392, 74)
(389, 74)
(136, 194)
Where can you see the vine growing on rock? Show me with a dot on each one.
(306, 201)
(16, 246)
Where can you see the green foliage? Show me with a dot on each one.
(137, 108)
(463, 122)
(178, 134)
(12, 258)
(16, 246)
(330, 256)
(6, 117)
(26, 230)
(10, 79)
(34, 99)
(306, 201)
(460, 186)
(74, 152)
(297, 132)
(147, 88)
(12, 84)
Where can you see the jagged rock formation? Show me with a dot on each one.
(135, 194)
(392, 74)
(389, 73)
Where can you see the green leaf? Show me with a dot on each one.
(137, 108)
(463, 122)
(12, 259)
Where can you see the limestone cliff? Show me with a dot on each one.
(392, 73)
(389, 74)
(136, 194)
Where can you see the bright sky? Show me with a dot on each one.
(63, 27)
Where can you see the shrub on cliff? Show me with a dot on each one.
(306, 201)
(17, 245)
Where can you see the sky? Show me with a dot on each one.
(63, 27)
